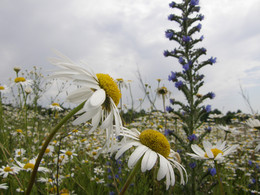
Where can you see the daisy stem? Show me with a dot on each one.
(46, 143)
(1, 115)
(219, 179)
(131, 176)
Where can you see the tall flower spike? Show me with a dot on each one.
(100, 92)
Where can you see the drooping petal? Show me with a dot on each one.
(136, 155)
(95, 120)
(197, 150)
(163, 168)
(85, 117)
(79, 95)
(125, 148)
(108, 121)
(171, 173)
(97, 99)
(145, 160)
(152, 160)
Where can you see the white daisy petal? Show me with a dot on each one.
(197, 150)
(145, 160)
(207, 146)
(108, 121)
(96, 120)
(168, 178)
(79, 95)
(85, 117)
(125, 148)
(171, 174)
(230, 150)
(136, 155)
(163, 168)
(152, 160)
(97, 99)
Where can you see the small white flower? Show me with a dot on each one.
(19, 190)
(99, 171)
(97, 180)
(19, 152)
(69, 153)
(30, 165)
(28, 89)
(227, 129)
(253, 123)
(23, 81)
(55, 106)
(6, 170)
(217, 152)
(4, 89)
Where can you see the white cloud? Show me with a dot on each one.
(117, 36)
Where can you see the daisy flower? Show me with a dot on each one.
(97, 180)
(19, 152)
(22, 81)
(151, 146)
(100, 92)
(30, 165)
(253, 123)
(55, 106)
(49, 150)
(69, 153)
(4, 89)
(227, 129)
(6, 170)
(216, 152)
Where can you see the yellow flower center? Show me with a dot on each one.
(69, 153)
(109, 85)
(155, 141)
(28, 166)
(84, 139)
(7, 169)
(19, 130)
(75, 130)
(2, 88)
(120, 80)
(215, 152)
(19, 79)
(47, 150)
(55, 104)
(162, 91)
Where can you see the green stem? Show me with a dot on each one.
(219, 180)
(225, 136)
(46, 143)
(131, 176)
(1, 115)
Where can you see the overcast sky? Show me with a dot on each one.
(119, 37)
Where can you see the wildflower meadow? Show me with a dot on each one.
(99, 145)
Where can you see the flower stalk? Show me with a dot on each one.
(219, 178)
(46, 143)
(131, 176)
